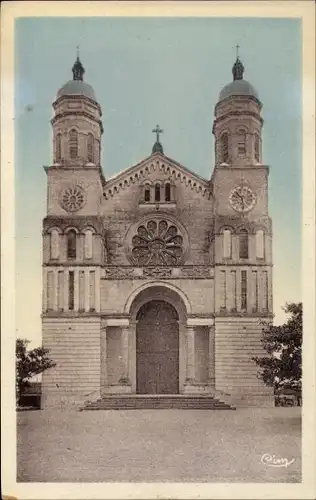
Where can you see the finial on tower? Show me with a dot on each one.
(157, 147)
(238, 68)
(77, 69)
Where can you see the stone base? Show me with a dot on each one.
(247, 399)
(116, 389)
(66, 400)
(196, 388)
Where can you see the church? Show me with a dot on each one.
(156, 280)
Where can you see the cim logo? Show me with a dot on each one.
(273, 461)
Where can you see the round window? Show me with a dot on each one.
(72, 198)
(157, 242)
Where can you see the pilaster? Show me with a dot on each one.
(190, 333)
(103, 360)
(211, 356)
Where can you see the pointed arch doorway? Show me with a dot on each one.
(157, 348)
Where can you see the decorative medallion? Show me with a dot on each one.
(72, 198)
(242, 198)
(157, 242)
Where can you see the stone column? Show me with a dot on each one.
(76, 289)
(55, 303)
(44, 297)
(125, 351)
(86, 290)
(66, 289)
(97, 289)
(211, 355)
(103, 361)
(190, 353)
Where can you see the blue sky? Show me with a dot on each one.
(147, 71)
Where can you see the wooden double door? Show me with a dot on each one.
(157, 349)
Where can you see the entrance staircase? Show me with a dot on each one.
(157, 402)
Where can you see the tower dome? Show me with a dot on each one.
(239, 86)
(76, 86)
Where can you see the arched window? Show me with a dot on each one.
(241, 147)
(71, 244)
(227, 244)
(88, 242)
(260, 244)
(243, 244)
(58, 147)
(167, 192)
(54, 244)
(257, 148)
(157, 192)
(73, 143)
(147, 193)
(90, 148)
(224, 148)
(97, 152)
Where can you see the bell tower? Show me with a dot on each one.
(73, 244)
(243, 238)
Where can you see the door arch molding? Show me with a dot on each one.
(158, 290)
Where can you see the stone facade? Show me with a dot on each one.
(155, 235)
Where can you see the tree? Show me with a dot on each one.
(283, 367)
(28, 364)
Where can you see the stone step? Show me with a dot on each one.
(136, 402)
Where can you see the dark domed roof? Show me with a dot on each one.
(77, 86)
(239, 86)
(157, 148)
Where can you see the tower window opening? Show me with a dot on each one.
(97, 152)
(168, 192)
(241, 149)
(224, 147)
(147, 194)
(58, 147)
(243, 290)
(90, 148)
(157, 192)
(243, 244)
(71, 244)
(257, 148)
(73, 144)
(71, 290)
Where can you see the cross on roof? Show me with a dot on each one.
(237, 49)
(157, 131)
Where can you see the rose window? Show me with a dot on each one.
(157, 242)
(72, 198)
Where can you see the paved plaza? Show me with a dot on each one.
(159, 445)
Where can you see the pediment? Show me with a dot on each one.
(163, 167)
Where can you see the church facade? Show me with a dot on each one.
(156, 280)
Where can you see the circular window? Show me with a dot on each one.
(157, 242)
(72, 198)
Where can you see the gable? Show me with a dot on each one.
(160, 167)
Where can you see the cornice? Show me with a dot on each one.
(76, 98)
(64, 114)
(234, 114)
